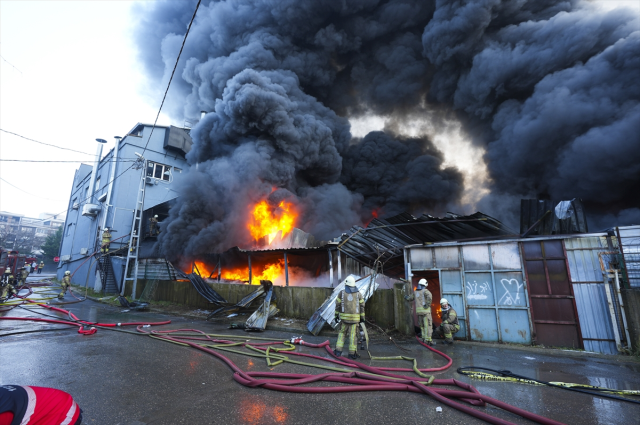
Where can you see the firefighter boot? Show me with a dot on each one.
(337, 353)
(354, 356)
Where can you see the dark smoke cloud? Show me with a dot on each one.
(548, 88)
(395, 174)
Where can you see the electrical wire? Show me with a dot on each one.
(80, 160)
(22, 190)
(46, 144)
(152, 128)
(184, 40)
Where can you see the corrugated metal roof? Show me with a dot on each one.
(387, 237)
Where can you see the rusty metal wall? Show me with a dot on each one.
(588, 287)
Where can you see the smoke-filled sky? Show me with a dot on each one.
(476, 104)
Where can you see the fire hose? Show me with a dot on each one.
(369, 378)
(82, 324)
(361, 377)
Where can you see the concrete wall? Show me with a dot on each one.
(293, 301)
(631, 299)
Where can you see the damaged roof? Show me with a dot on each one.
(386, 238)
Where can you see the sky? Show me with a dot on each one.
(69, 74)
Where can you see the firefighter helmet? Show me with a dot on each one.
(423, 282)
(155, 216)
(444, 301)
(350, 281)
(67, 273)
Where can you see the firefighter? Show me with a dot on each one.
(66, 282)
(106, 240)
(24, 274)
(450, 323)
(7, 276)
(350, 310)
(153, 226)
(40, 267)
(7, 290)
(422, 297)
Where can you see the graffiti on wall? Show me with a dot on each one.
(512, 291)
(478, 291)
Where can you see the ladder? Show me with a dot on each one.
(134, 240)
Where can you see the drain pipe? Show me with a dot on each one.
(107, 202)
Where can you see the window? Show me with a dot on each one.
(86, 193)
(69, 229)
(97, 188)
(158, 171)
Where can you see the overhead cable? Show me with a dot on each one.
(46, 144)
(22, 190)
(184, 40)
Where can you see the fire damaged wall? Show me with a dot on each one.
(548, 89)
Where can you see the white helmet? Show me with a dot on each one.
(155, 216)
(423, 282)
(444, 301)
(67, 273)
(8, 270)
(350, 281)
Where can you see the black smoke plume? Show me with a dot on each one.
(548, 89)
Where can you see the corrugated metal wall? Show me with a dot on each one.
(485, 284)
(588, 287)
(630, 244)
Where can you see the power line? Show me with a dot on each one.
(80, 160)
(22, 190)
(154, 123)
(10, 64)
(184, 40)
(47, 144)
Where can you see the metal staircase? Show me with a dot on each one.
(107, 277)
(131, 268)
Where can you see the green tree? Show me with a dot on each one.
(51, 245)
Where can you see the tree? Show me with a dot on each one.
(51, 245)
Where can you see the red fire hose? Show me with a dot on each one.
(377, 379)
(370, 379)
(80, 323)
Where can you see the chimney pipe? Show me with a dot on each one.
(94, 172)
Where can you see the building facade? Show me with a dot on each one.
(106, 195)
(561, 291)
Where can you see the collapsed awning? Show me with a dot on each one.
(384, 239)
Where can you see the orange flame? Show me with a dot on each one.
(270, 272)
(268, 221)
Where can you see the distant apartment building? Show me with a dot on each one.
(107, 195)
(21, 233)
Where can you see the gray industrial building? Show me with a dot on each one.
(137, 178)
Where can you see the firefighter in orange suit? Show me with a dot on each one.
(350, 310)
(422, 297)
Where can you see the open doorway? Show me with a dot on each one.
(433, 279)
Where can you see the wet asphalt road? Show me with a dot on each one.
(119, 378)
